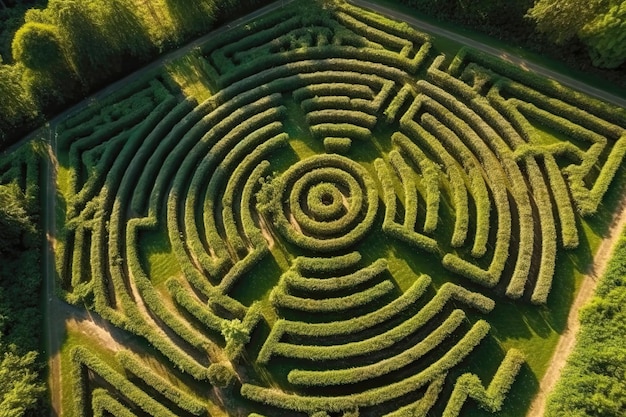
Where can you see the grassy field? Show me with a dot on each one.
(325, 212)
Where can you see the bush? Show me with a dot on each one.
(337, 145)
(221, 376)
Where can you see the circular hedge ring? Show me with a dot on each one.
(325, 203)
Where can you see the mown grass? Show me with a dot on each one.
(157, 256)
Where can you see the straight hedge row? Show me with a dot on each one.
(82, 358)
(183, 400)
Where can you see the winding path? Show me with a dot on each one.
(59, 315)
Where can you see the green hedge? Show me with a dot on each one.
(322, 266)
(253, 148)
(310, 166)
(492, 398)
(341, 116)
(193, 306)
(390, 226)
(429, 177)
(373, 396)
(342, 130)
(281, 299)
(183, 400)
(444, 142)
(297, 282)
(447, 292)
(104, 405)
(396, 307)
(547, 264)
(385, 366)
(81, 357)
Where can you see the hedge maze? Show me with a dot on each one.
(333, 136)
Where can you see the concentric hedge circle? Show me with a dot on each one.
(325, 203)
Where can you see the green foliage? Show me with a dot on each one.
(234, 331)
(21, 388)
(563, 19)
(15, 223)
(38, 47)
(221, 375)
(592, 383)
(606, 37)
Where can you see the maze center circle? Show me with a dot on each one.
(325, 202)
(331, 203)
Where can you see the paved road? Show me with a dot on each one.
(523, 63)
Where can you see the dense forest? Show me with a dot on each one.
(21, 366)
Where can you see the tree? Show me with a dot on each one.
(561, 20)
(14, 220)
(38, 47)
(17, 108)
(49, 76)
(606, 37)
(20, 388)
(235, 331)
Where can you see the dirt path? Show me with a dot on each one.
(568, 338)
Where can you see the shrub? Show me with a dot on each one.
(221, 376)
(337, 145)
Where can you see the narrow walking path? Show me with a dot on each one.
(567, 342)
